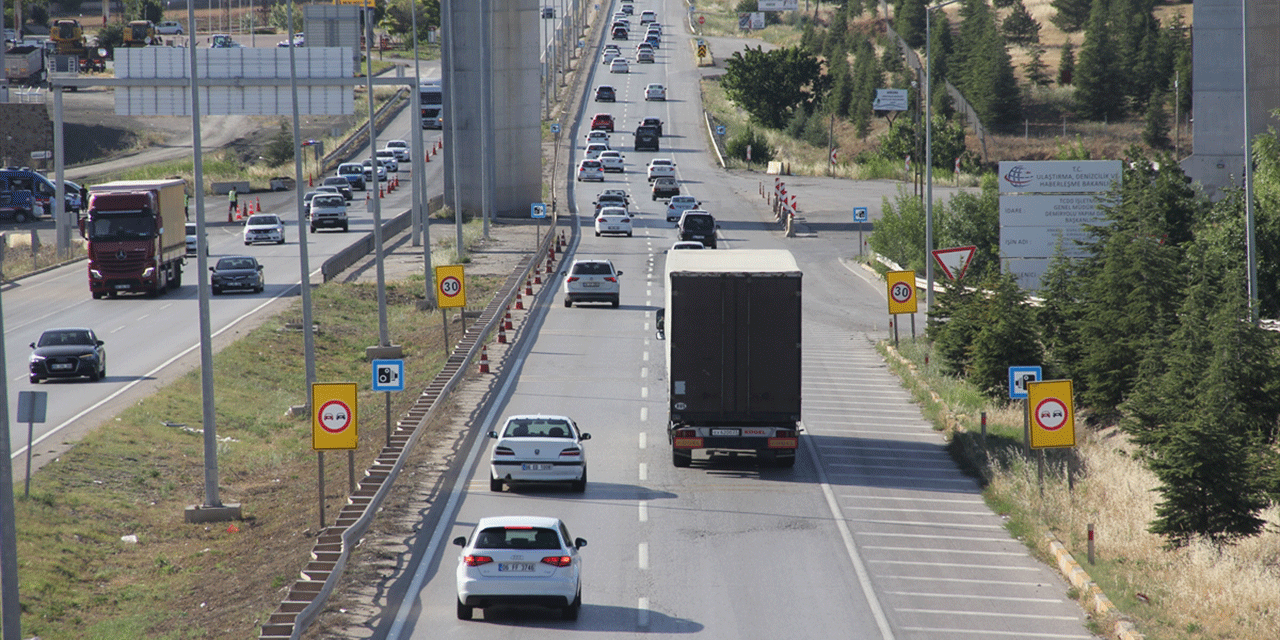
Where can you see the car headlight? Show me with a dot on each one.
(37, 358)
(89, 357)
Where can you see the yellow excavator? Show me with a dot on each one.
(68, 38)
(140, 33)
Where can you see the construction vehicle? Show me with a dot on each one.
(25, 65)
(140, 33)
(69, 40)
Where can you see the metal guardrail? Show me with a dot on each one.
(332, 551)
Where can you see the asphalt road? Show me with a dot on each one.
(873, 534)
(151, 341)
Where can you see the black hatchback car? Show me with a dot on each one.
(237, 273)
(605, 93)
(71, 352)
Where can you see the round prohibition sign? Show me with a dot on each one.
(1051, 414)
(450, 286)
(901, 292)
(335, 416)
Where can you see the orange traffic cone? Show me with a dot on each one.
(502, 335)
(537, 275)
(428, 156)
(309, 182)
(528, 288)
(506, 323)
(257, 205)
(484, 359)
(519, 301)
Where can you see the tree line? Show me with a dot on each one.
(1152, 326)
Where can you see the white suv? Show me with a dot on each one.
(592, 281)
(398, 147)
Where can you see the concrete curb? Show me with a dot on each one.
(1096, 601)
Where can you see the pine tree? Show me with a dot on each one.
(1071, 14)
(1156, 132)
(1036, 69)
(941, 47)
(1020, 28)
(1067, 65)
(953, 325)
(1007, 336)
(908, 21)
(1098, 77)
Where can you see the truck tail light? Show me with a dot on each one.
(686, 433)
(475, 561)
(558, 561)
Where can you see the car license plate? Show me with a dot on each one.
(60, 367)
(590, 284)
(724, 432)
(535, 466)
(515, 566)
(122, 286)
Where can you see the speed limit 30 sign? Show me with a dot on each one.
(1052, 414)
(451, 286)
(902, 291)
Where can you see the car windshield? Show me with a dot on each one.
(335, 181)
(64, 337)
(328, 201)
(537, 428)
(258, 221)
(517, 538)
(698, 223)
(592, 269)
(350, 168)
(228, 264)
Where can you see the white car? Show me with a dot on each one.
(687, 244)
(169, 28)
(613, 220)
(590, 170)
(538, 448)
(596, 135)
(645, 55)
(648, 16)
(192, 244)
(655, 91)
(679, 205)
(619, 65)
(264, 227)
(611, 161)
(519, 560)
(389, 159)
(595, 149)
(661, 167)
(592, 281)
(367, 169)
(398, 147)
(609, 56)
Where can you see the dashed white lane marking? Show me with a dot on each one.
(642, 440)
(644, 372)
(644, 414)
(644, 511)
(642, 556)
(643, 472)
(644, 392)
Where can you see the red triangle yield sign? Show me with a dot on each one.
(955, 260)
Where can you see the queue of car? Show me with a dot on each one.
(533, 560)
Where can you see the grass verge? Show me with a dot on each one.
(1198, 593)
(81, 573)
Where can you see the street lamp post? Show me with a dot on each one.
(928, 151)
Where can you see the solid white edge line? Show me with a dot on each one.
(150, 374)
(864, 579)
(464, 478)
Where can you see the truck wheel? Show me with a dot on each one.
(681, 458)
(176, 281)
(20, 216)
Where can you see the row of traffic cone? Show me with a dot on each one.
(505, 325)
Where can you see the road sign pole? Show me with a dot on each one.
(26, 487)
(1026, 426)
(388, 418)
(351, 471)
(444, 321)
(320, 483)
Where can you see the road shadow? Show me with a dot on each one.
(598, 618)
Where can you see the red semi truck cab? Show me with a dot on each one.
(136, 234)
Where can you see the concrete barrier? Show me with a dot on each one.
(222, 188)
